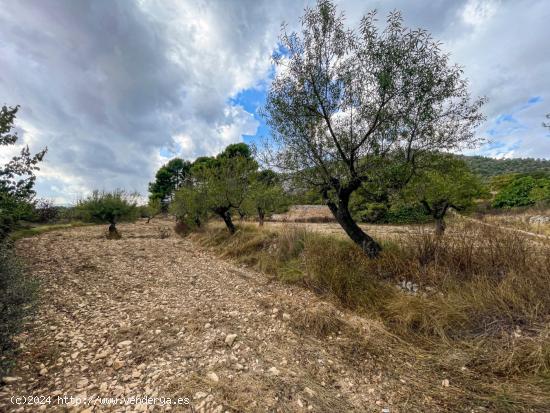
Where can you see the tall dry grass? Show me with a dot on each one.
(482, 304)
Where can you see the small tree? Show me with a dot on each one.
(17, 177)
(108, 207)
(349, 108)
(448, 184)
(218, 185)
(152, 209)
(17, 290)
(266, 195)
(225, 182)
(189, 206)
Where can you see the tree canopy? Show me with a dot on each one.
(217, 185)
(168, 179)
(266, 195)
(447, 184)
(523, 191)
(108, 207)
(349, 108)
(489, 167)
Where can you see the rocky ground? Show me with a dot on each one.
(153, 315)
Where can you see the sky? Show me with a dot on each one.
(115, 88)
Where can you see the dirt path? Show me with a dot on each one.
(501, 227)
(160, 317)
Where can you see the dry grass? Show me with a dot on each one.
(481, 312)
(519, 219)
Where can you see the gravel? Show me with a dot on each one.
(161, 317)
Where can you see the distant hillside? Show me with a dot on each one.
(488, 167)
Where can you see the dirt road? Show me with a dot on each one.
(157, 316)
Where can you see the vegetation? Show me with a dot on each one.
(45, 211)
(490, 167)
(266, 195)
(17, 289)
(447, 184)
(189, 207)
(353, 108)
(41, 229)
(168, 179)
(16, 177)
(17, 299)
(152, 209)
(520, 190)
(108, 207)
(225, 184)
(363, 122)
(475, 308)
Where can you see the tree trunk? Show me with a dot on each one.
(341, 212)
(439, 226)
(439, 211)
(113, 233)
(228, 222)
(225, 214)
(261, 217)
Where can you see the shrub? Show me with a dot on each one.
(108, 207)
(523, 191)
(45, 212)
(479, 283)
(17, 296)
(407, 214)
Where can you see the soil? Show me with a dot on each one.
(153, 314)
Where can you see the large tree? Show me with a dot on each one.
(17, 177)
(349, 108)
(169, 178)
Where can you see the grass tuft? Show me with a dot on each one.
(41, 229)
(481, 301)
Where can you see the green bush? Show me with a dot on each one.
(523, 191)
(379, 213)
(44, 212)
(407, 214)
(17, 296)
(108, 207)
(369, 211)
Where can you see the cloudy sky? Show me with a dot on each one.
(116, 88)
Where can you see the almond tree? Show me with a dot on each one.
(108, 207)
(266, 195)
(447, 184)
(218, 185)
(349, 108)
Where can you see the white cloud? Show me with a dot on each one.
(478, 12)
(107, 85)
